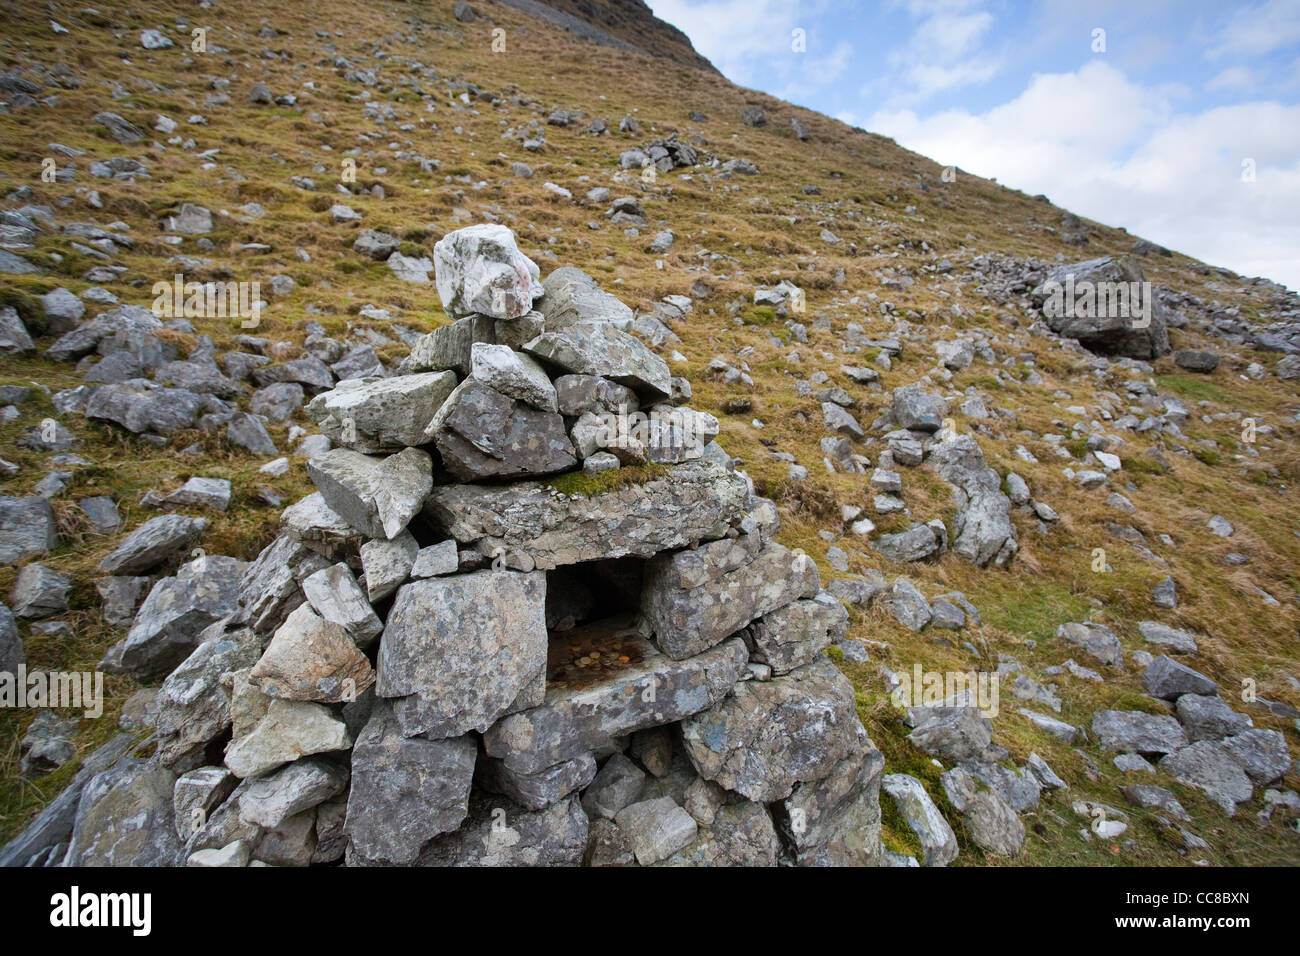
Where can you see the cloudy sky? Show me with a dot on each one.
(1180, 122)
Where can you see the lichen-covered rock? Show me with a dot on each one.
(1096, 639)
(1211, 767)
(142, 406)
(125, 818)
(536, 791)
(310, 658)
(11, 645)
(381, 415)
(1206, 717)
(938, 842)
(378, 497)
(656, 828)
(154, 542)
(14, 337)
(197, 794)
(835, 821)
(387, 564)
(458, 651)
(915, 544)
(1138, 732)
(767, 736)
(405, 790)
(916, 409)
(290, 729)
(991, 822)
(270, 587)
(321, 528)
(167, 626)
(450, 347)
(572, 296)
(618, 784)
(1263, 754)
(793, 635)
(125, 321)
(688, 620)
(335, 595)
(953, 734)
(695, 501)
(513, 374)
(26, 528)
(584, 711)
(300, 786)
(1180, 641)
(741, 834)
(578, 394)
(47, 745)
(501, 833)
(598, 348)
(982, 533)
(481, 433)
(39, 592)
(1098, 325)
(192, 706)
(49, 832)
(1167, 678)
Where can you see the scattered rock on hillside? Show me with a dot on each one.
(1141, 333)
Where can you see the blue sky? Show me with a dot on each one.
(1157, 132)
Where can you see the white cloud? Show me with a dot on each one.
(1260, 29)
(948, 35)
(1233, 78)
(929, 8)
(944, 53)
(1117, 152)
(929, 79)
(738, 36)
(814, 71)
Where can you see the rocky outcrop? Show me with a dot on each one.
(983, 532)
(1107, 305)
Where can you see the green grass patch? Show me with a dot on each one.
(1034, 608)
(1194, 387)
(579, 483)
(1143, 465)
(1206, 456)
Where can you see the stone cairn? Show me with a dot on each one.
(472, 647)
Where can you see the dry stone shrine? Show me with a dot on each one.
(532, 616)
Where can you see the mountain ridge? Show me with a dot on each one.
(630, 23)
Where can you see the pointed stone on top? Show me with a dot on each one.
(480, 269)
